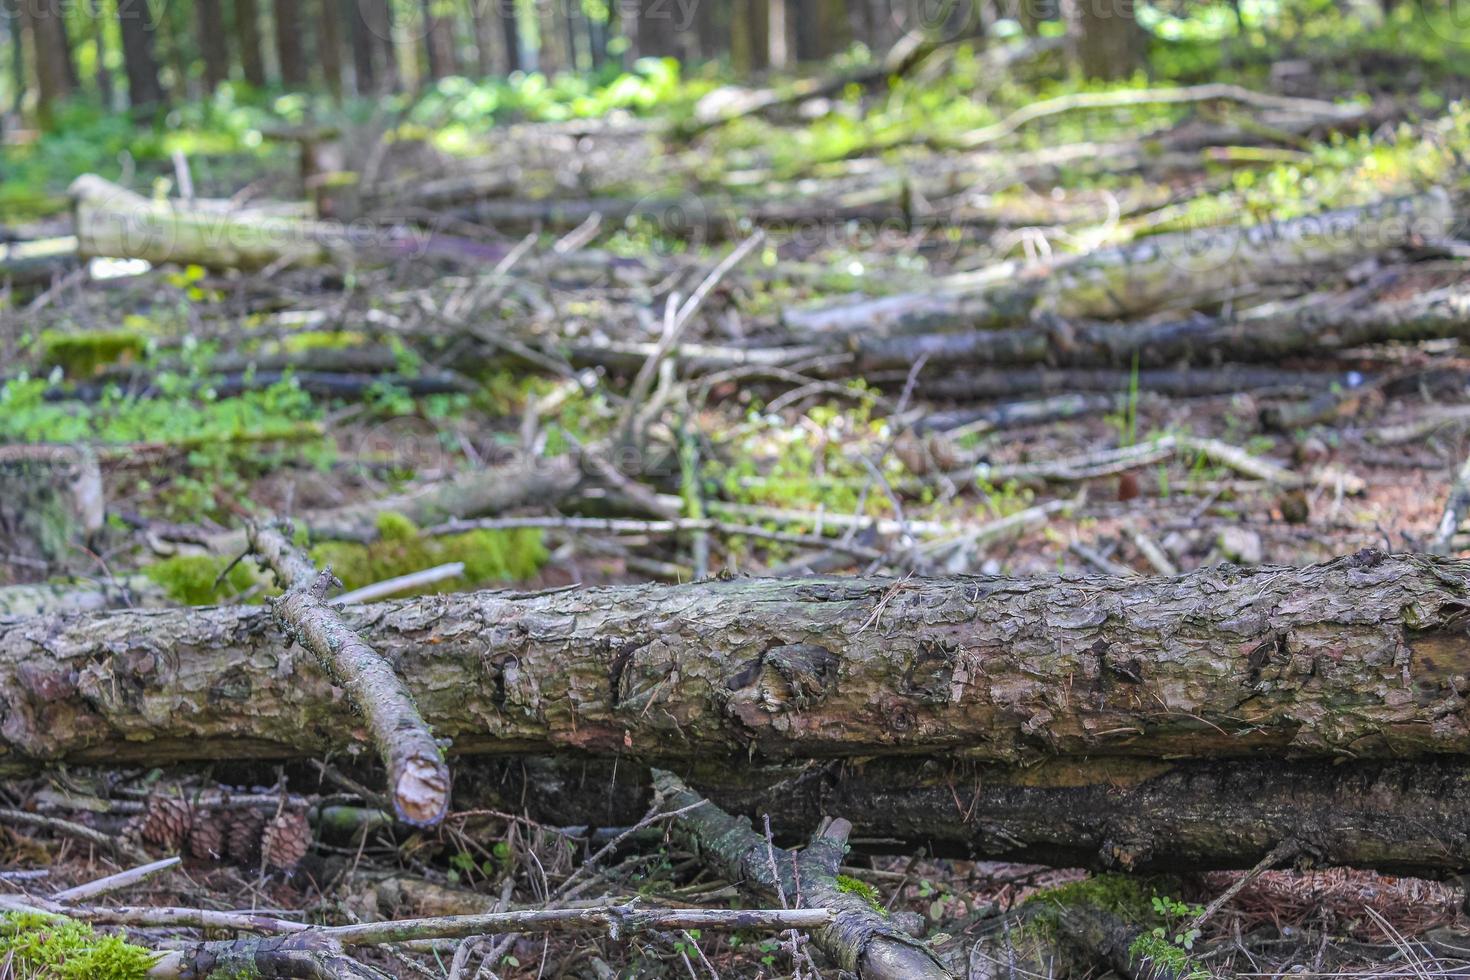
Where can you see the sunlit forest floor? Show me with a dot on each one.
(518, 250)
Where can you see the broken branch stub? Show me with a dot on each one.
(418, 778)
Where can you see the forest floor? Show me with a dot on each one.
(521, 292)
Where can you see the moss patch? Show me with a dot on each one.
(81, 354)
(190, 578)
(488, 556)
(861, 889)
(49, 947)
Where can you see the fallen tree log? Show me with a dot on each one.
(1176, 270)
(1310, 326)
(1362, 657)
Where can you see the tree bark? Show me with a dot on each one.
(136, 27)
(1108, 43)
(1304, 327)
(439, 40)
(330, 44)
(1363, 657)
(55, 71)
(1161, 272)
(1106, 813)
(212, 44)
(247, 30)
(290, 50)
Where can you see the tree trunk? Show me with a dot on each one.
(99, 41)
(1141, 815)
(247, 31)
(15, 30)
(51, 55)
(439, 39)
(290, 50)
(1363, 657)
(779, 20)
(212, 43)
(505, 12)
(136, 27)
(490, 58)
(373, 53)
(329, 44)
(1108, 43)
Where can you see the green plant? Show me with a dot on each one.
(49, 947)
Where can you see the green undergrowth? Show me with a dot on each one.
(1165, 941)
(489, 557)
(37, 946)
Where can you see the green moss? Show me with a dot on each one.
(48, 947)
(861, 889)
(81, 354)
(1163, 958)
(190, 578)
(1128, 898)
(488, 556)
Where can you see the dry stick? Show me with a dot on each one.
(418, 779)
(619, 525)
(616, 920)
(859, 940)
(123, 879)
(679, 323)
(1281, 852)
(1454, 512)
(108, 842)
(401, 583)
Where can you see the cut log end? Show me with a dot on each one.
(421, 792)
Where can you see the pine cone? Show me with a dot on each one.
(165, 821)
(242, 827)
(285, 840)
(207, 836)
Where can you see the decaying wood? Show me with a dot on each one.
(1169, 271)
(418, 779)
(860, 939)
(1266, 336)
(1363, 656)
(1104, 813)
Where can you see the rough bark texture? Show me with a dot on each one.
(1164, 271)
(136, 27)
(418, 779)
(1106, 813)
(1362, 657)
(1301, 327)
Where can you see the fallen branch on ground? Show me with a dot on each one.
(418, 779)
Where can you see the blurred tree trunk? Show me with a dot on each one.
(489, 43)
(50, 55)
(809, 41)
(15, 29)
(652, 30)
(1107, 41)
(510, 29)
(247, 33)
(779, 32)
(552, 56)
(99, 39)
(212, 44)
(374, 58)
(748, 41)
(439, 38)
(290, 51)
(137, 30)
(329, 44)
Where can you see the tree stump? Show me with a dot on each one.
(51, 503)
